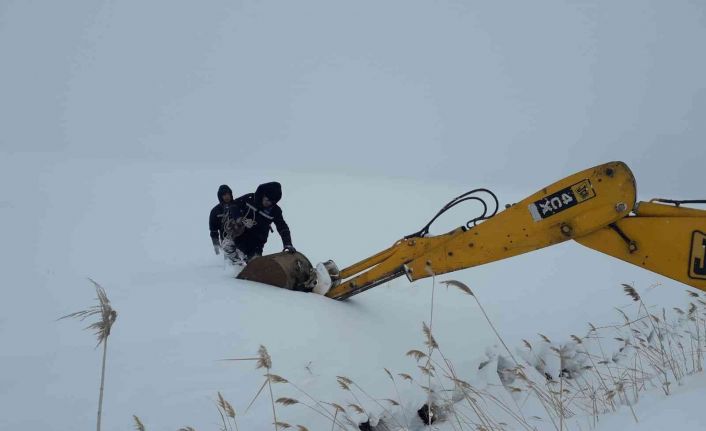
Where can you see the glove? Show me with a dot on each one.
(217, 249)
(289, 249)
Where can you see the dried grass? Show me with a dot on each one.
(139, 426)
(101, 328)
(607, 368)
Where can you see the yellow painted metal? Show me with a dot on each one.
(391, 265)
(520, 228)
(670, 241)
(652, 209)
(573, 207)
(367, 263)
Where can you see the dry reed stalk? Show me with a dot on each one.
(319, 409)
(102, 329)
(630, 291)
(265, 361)
(225, 407)
(376, 402)
(139, 426)
(629, 370)
(397, 391)
(345, 383)
(336, 409)
(430, 342)
(223, 419)
(466, 289)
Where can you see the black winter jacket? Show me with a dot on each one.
(249, 206)
(215, 219)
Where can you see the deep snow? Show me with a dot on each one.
(139, 229)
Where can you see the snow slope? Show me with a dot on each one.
(139, 229)
(119, 119)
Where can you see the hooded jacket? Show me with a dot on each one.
(249, 209)
(215, 219)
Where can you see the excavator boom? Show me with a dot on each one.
(596, 207)
(577, 205)
(666, 239)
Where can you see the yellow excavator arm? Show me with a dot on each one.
(596, 207)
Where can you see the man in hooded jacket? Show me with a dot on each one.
(219, 214)
(253, 214)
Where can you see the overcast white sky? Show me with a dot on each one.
(484, 93)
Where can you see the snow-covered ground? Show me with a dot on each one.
(139, 229)
(120, 119)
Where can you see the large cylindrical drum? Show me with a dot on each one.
(291, 271)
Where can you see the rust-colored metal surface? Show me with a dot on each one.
(291, 271)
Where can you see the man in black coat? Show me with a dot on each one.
(253, 214)
(218, 216)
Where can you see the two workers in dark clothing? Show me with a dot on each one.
(240, 227)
